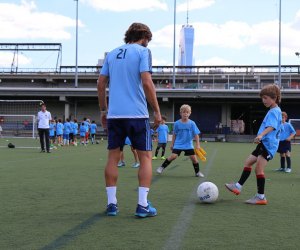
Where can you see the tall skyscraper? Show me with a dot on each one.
(186, 45)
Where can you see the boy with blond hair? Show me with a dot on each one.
(267, 141)
(185, 130)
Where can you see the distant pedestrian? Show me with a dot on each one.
(44, 118)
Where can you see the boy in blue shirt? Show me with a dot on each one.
(93, 129)
(268, 140)
(59, 132)
(185, 130)
(67, 129)
(82, 132)
(286, 135)
(52, 126)
(162, 137)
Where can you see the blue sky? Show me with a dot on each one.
(227, 32)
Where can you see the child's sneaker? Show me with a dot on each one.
(143, 212)
(257, 201)
(288, 170)
(280, 169)
(135, 165)
(199, 174)
(233, 188)
(121, 164)
(154, 158)
(159, 170)
(163, 158)
(112, 209)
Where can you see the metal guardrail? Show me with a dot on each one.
(188, 70)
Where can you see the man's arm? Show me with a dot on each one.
(101, 87)
(150, 93)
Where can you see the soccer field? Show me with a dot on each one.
(57, 201)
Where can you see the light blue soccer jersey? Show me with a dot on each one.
(82, 129)
(71, 127)
(162, 131)
(185, 133)
(93, 128)
(75, 128)
(123, 66)
(271, 140)
(59, 128)
(67, 128)
(51, 129)
(286, 131)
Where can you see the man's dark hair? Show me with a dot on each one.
(136, 32)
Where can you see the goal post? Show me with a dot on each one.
(18, 118)
(18, 126)
(296, 125)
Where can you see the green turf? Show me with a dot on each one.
(57, 201)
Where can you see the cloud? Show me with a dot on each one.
(213, 61)
(24, 21)
(237, 35)
(127, 5)
(7, 59)
(194, 5)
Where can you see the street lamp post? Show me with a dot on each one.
(279, 57)
(76, 53)
(174, 45)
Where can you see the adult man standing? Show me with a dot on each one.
(128, 69)
(44, 118)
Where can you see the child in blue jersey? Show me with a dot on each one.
(121, 163)
(162, 138)
(52, 126)
(287, 133)
(71, 134)
(185, 130)
(75, 131)
(93, 129)
(268, 140)
(59, 132)
(67, 129)
(82, 132)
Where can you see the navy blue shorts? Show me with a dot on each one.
(137, 129)
(284, 146)
(261, 150)
(187, 152)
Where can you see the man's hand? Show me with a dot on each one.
(157, 120)
(103, 119)
(257, 139)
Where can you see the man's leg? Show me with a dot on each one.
(41, 135)
(47, 140)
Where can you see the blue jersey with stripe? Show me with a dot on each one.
(185, 133)
(271, 140)
(123, 66)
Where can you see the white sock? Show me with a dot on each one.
(238, 185)
(261, 196)
(111, 195)
(143, 194)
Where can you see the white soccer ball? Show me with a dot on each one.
(207, 192)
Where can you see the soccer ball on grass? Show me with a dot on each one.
(207, 192)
